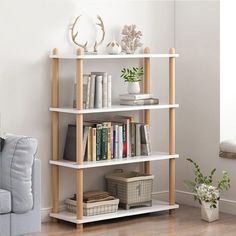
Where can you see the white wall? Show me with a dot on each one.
(198, 91)
(30, 29)
(227, 82)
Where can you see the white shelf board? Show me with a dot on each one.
(156, 156)
(114, 108)
(157, 206)
(106, 56)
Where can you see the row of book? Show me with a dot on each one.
(107, 140)
(138, 99)
(96, 90)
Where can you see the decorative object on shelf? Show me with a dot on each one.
(206, 193)
(132, 76)
(74, 35)
(132, 188)
(114, 48)
(131, 39)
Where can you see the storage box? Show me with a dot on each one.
(95, 208)
(132, 188)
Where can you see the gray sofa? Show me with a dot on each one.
(19, 187)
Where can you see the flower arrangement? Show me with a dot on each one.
(203, 186)
(132, 75)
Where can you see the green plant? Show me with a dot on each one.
(132, 75)
(206, 182)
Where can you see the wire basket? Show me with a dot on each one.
(95, 208)
(132, 188)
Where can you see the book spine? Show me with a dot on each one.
(145, 140)
(98, 92)
(104, 143)
(94, 144)
(138, 140)
(85, 139)
(104, 90)
(109, 100)
(124, 137)
(133, 143)
(89, 145)
(92, 91)
(116, 141)
(108, 126)
(120, 142)
(99, 143)
(88, 92)
(128, 137)
(112, 144)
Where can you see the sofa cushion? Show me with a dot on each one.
(5, 201)
(16, 170)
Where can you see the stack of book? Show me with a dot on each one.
(138, 99)
(96, 90)
(107, 140)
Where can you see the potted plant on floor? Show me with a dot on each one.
(132, 76)
(206, 192)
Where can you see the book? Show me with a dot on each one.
(150, 101)
(98, 92)
(104, 142)
(98, 142)
(138, 96)
(85, 78)
(145, 140)
(109, 99)
(88, 92)
(120, 142)
(92, 91)
(94, 144)
(108, 143)
(104, 90)
(116, 141)
(138, 139)
(133, 139)
(89, 145)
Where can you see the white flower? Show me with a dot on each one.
(207, 193)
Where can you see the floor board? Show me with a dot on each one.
(185, 222)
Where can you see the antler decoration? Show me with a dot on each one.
(74, 35)
(101, 25)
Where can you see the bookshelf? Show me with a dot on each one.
(79, 166)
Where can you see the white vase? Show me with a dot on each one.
(208, 213)
(133, 87)
(114, 47)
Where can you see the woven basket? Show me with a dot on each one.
(132, 188)
(96, 208)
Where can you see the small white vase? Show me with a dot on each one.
(133, 87)
(114, 47)
(208, 213)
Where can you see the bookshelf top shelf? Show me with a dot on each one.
(106, 56)
(114, 108)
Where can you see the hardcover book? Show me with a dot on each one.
(138, 96)
(140, 102)
(145, 140)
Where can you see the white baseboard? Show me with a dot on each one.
(182, 197)
(186, 198)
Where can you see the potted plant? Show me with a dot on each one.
(132, 76)
(206, 192)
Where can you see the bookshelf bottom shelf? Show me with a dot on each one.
(156, 207)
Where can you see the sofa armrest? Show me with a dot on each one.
(36, 184)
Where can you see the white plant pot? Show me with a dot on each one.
(208, 213)
(133, 87)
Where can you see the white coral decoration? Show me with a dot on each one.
(207, 193)
(130, 39)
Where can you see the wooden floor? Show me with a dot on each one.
(185, 222)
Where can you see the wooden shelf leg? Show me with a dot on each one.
(172, 130)
(147, 166)
(55, 133)
(79, 138)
